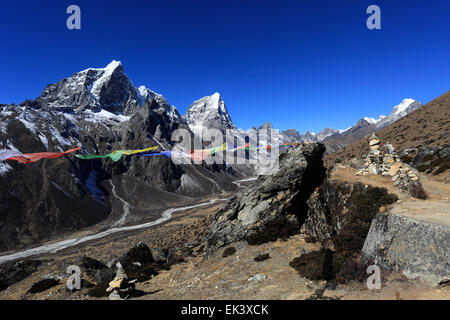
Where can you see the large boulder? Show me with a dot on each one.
(138, 263)
(274, 206)
(417, 248)
(139, 254)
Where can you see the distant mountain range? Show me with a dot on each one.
(211, 112)
(336, 139)
(422, 137)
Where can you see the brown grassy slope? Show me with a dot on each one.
(426, 126)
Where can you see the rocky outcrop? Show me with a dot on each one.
(14, 272)
(274, 206)
(328, 209)
(339, 217)
(434, 160)
(333, 206)
(414, 247)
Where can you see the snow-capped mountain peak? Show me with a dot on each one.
(108, 89)
(363, 126)
(217, 102)
(209, 112)
(370, 120)
(113, 65)
(373, 120)
(110, 67)
(142, 94)
(406, 106)
(106, 75)
(403, 106)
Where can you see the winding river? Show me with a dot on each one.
(60, 245)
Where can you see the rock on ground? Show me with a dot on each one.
(415, 247)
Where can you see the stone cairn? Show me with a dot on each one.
(120, 287)
(381, 161)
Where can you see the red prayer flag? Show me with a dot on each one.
(33, 157)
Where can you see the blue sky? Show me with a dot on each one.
(298, 64)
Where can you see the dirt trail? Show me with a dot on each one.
(434, 210)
